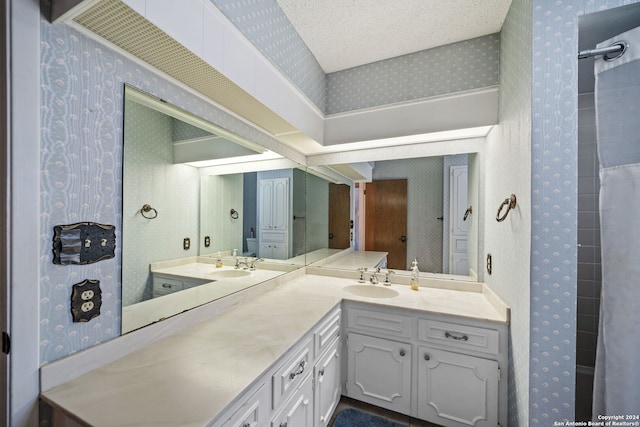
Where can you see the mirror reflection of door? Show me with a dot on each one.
(339, 216)
(458, 253)
(386, 220)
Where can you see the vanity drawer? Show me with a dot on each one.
(289, 375)
(324, 334)
(377, 322)
(164, 285)
(252, 411)
(458, 336)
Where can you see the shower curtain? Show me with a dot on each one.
(617, 94)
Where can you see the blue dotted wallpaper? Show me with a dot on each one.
(82, 87)
(466, 65)
(554, 154)
(268, 29)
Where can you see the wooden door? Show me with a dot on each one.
(339, 216)
(386, 220)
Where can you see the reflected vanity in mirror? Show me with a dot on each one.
(205, 212)
(423, 208)
(195, 194)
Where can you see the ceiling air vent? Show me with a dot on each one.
(124, 27)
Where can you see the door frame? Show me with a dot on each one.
(21, 193)
(4, 306)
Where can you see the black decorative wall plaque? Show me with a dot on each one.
(83, 243)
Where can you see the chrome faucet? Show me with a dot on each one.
(245, 263)
(387, 281)
(362, 270)
(374, 276)
(253, 263)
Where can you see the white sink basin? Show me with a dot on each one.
(229, 274)
(371, 291)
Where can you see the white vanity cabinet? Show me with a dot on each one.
(379, 354)
(274, 250)
(302, 389)
(443, 369)
(167, 284)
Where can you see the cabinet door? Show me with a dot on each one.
(280, 204)
(265, 251)
(298, 411)
(379, 372)
(455, 390)
(327, 390)
(279, 252)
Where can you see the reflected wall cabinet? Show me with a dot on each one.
(273, 213)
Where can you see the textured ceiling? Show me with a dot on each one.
(346, 33)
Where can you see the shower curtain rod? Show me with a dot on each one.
(614, 48)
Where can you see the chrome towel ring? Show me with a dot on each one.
(234, 214)
(510, 203)
(146, 208)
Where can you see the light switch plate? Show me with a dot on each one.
(83, 243)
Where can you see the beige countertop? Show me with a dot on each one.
(354, 260)
(223, 281)
(188, 378)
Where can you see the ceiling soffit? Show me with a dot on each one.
(119, 24)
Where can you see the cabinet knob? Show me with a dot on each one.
(402, 352)
(284, 424)
(246, 425)
(427, 357)
(321, 372)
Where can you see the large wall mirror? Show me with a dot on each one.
(424, 208)
(195, 194)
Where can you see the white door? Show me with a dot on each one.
(328, 390)
(455, 390)
(379, 372)
(458, 257)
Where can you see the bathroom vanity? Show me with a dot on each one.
(286, 356)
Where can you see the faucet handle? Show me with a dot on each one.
(362, 270)
(253, 263)
(386, 277)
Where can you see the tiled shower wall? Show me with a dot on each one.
(589, 267)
